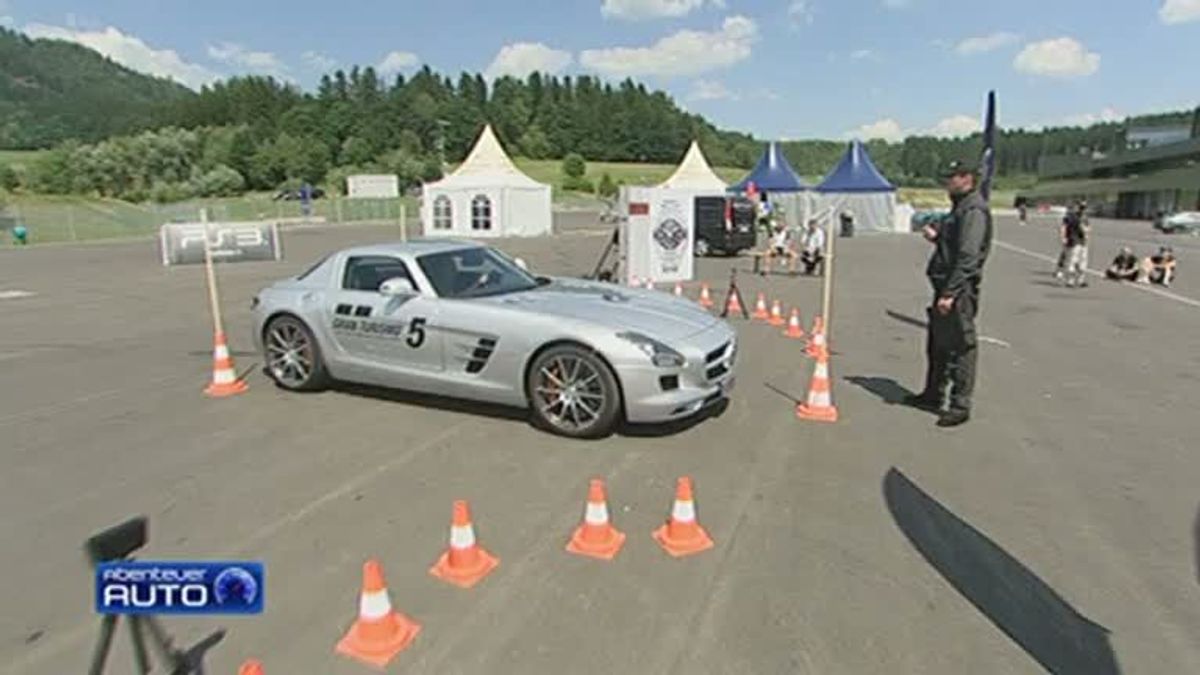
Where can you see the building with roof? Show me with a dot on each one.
(486, 196)
(1157, 170)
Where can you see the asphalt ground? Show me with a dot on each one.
(1055, 531)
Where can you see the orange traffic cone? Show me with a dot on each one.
(379, 633)
(678, 290)
(819, 406)
(760, 309)
(251, 667)
(465, 562)
(225, 381)
(817, 346)
(776, 314)
(682, 535)
(706, 300)
(732, 304)
(596, 537)
(794, 329)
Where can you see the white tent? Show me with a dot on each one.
(695, 175)
(487, 196)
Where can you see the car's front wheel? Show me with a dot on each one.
(293, 355)
(573, 392)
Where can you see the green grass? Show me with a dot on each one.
(550, 171)
(19, 159)
(52, 218)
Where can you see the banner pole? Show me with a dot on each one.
(403, 222)
(211, 276)
(827, 291)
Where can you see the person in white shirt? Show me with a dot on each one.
(780, 245)
(812, 252)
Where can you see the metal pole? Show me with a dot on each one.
(827, 292)
(214, 302)
(403, 223)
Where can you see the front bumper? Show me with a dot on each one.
(706, 379)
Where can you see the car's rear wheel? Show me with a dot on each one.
(573, 392)
(293, 355)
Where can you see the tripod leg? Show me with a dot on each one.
(107, 627)
(139, 646)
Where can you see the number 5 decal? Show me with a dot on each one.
(416, 332)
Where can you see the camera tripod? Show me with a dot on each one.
(734, 292)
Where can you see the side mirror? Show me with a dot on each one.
(397, 286)
(521, 263)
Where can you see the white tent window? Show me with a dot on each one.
(481, 213)
(443, 213)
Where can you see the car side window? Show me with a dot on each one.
(368, 272)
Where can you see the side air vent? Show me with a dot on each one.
(480, 355)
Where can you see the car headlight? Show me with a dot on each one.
(660, 354)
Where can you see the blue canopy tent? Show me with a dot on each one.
(773, 173)
(857, 187)
(783, 188)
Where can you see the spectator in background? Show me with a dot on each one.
(1074, 238)
(1160, 268)
(20, 235)
(812, 251)
(1124, 267)
(781, 245)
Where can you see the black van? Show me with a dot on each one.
(711, 233)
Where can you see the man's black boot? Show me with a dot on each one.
(924, 401)
(953, 418)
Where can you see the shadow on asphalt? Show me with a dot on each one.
(193, 658)
(499, 412)
(887, 389)
(783, 393)
(904, 318)
(1011, 596)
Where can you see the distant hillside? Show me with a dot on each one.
(52, 91)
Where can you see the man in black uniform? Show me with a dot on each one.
(961, 242)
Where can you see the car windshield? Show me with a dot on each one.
(474, 273)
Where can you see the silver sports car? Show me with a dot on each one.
(464, 320)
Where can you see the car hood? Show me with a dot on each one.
(655, 314)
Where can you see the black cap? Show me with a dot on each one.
(958, 167)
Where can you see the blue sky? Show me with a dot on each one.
(775, 68)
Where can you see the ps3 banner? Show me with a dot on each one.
(179, 587)
(183, 243)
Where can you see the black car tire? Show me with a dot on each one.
(308, 371)
(596, 408)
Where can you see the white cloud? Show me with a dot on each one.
(395, 62)
(247, 60)
(6, 21)
(954, 126)
(318, 61)
(801, 12)
(888, 129)
(1179, 11)
(638, 10)
(1059, 57)
(130, 52)
(897, 4)
(767, 94)
(711, 90)
(1088, 119)
(523, 58)
(860, 54)
(885, 129)
(687, 52)
(986, 43)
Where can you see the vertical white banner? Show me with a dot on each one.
(672, 231)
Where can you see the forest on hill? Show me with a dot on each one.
(116, 133)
